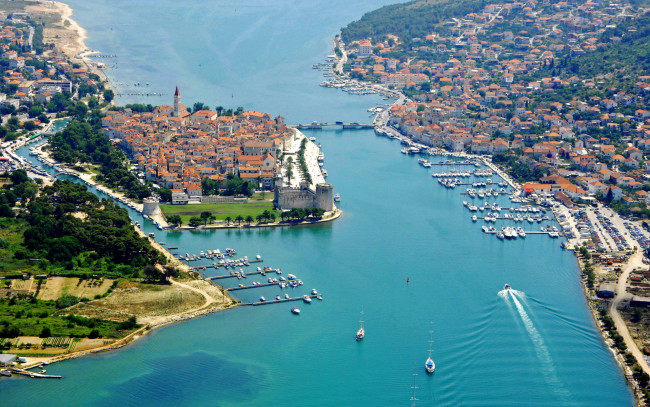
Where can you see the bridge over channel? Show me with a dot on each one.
(318, 125)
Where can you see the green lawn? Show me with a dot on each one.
(219, 210)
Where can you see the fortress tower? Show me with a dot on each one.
(177, 103)
(324, 197)
(150, 206)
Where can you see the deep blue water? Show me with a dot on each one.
(536, 347)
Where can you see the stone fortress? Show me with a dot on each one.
(304, 196)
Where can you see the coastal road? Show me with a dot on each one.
(621, 295)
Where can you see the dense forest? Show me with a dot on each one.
(81, 143)
(69, 226)
(409, 20)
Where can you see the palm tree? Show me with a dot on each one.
(259, 218)
(249, 219)
(239, 219)
(283, 215)
(228, 220)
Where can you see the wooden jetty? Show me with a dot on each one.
(34, 375)
(235, 274)
(319, 296)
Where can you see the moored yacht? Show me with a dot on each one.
(361, 332)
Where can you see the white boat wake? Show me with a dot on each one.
(544, 356)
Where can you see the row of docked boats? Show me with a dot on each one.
(486, 206)
(462, 162)
(411, 150)
(551, 230)
(473, 193)
(510, 232)
(449, 182)
(486, 172)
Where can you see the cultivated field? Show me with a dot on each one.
(55, 287)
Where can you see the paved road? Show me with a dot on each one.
(621, 295)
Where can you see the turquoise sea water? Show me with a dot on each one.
(536, 347)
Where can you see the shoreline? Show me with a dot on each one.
(335, 214)
(132, 337)
(78, 51)
(382, 128)
(69, 40)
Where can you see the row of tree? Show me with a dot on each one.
(264, 217)
(301, 160)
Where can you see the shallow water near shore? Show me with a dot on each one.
(538, 346)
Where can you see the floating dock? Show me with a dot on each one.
(319, 296)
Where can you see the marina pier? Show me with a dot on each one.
(319, 296)
(238, 274)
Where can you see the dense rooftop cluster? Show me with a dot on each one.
(181, 151)
(509, 80)
(37, 83)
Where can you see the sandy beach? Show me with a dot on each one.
(65, 33)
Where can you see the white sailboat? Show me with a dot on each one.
(429, 365)
(361, 332)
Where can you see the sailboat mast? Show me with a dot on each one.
(414, 387)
